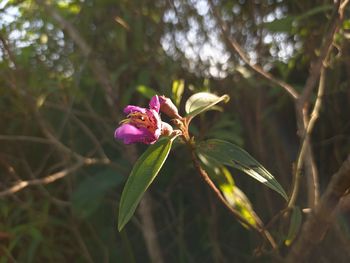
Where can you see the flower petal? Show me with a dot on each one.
(130, 134)
(153, 114)
(166, 129)
(154, 103)
(131, 108)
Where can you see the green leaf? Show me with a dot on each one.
(314, 11)
(147, 92)
(229, 154)
(234, 196)
(36, 239)
(178, 89)
(87, 197)
(284, 24)
(201, 102)
(142, 175)
(227, 129)
(295, 223)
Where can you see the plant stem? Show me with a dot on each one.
(183, 125)
(258, 228)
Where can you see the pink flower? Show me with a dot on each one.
(142, 125)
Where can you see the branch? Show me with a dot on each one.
(305, 126)
(52, 177)
(148, 227)
(305, 145)
(149, 230)
(233, 44)
(258, 228)
(99, 70)
(51, 137)
(315, 228)
(102, 76)
(315, 68)
(24, 138)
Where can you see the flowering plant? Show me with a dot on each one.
(142, 125)
(210, 157)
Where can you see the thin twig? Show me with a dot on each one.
(102, 76)
(91, 135)
(305, 127)
(52, 138)
(315, 68)
(233, 44)
(24, 138)
(148, 229)
(98, 68)
(52, 177)
(314, 229)
(306, 142)
(84, 249)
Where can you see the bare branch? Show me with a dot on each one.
(305, 144)
(52, 177)
(315, 67)
(233, 44)
(148, 229)
(98, 68)
(24, 138)
(315, 228)
(305, 126)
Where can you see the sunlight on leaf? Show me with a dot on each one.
(178, 89)
(142, 175)
(147, 92)
(201, 102)
(72, 8)
(234, 196)
(295, 223)
(229, 154)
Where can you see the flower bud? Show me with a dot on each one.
(166, 129)
(168, 107)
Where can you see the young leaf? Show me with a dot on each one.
(201, 102)
(295, 223)
(142, 175)
(233, 195)
(229, 154)
(147, 92)
(178, 89)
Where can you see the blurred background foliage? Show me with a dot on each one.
(69, 67)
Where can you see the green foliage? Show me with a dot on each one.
(234, 196)
(286, 24)
(227, 129)
(295, 223)
(54, 106)
(142, 175)
(201, 102)
(229, 154)
(147, 92)
(178, 88)
(89, 193)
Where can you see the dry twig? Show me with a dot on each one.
(323, 215)
(305, 125)
(234, 45)
(52, 177)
